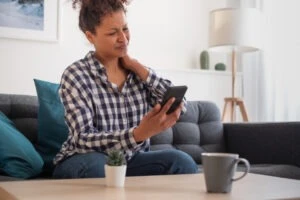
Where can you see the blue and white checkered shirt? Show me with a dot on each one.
(98, 115)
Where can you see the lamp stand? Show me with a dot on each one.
(232, 102)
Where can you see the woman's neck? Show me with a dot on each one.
(111, 64)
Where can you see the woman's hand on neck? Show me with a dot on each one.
(135, 66)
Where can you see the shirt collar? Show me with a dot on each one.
(98, 69)
(95, 65)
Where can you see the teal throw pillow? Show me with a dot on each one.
(18, 157)
(52, 129)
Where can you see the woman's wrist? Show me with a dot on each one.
(138, 135)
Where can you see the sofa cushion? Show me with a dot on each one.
(198, 130)
(18, 157)
(22, 111)
(284, 171)
(52, 130)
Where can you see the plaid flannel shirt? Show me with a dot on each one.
(98, 115)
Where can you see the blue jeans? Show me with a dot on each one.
(91, 165)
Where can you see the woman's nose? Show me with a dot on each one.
(122, 37)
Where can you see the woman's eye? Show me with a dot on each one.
(125, 29)
(112, 33)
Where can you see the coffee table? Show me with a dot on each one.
(171, 187)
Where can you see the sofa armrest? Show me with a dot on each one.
(274, 143)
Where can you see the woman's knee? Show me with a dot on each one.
(88, 165)
(182, 162)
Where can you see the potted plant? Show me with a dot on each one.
(115, 169)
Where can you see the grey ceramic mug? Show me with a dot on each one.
(219, 169)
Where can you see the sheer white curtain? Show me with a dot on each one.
(272, 76)
(282, 60)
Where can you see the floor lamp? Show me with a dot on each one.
(234, 30)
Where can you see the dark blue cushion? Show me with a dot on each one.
(52, 129)
(18, 157)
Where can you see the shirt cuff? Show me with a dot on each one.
(133, 143)
(152, 80)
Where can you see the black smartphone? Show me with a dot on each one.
(174, 91)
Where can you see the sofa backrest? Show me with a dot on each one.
(199, 130)
(22, 110)
(265, 142)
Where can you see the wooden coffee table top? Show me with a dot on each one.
(170, 187)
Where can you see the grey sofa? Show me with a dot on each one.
(271, 148)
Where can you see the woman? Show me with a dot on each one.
(107, 98)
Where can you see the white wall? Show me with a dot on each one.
(166, 34)
(170, 34)
(23, 60)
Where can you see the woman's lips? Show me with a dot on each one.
(122, 47)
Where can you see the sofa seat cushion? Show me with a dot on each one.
(18, 157)
(284, 171)
(9, 178)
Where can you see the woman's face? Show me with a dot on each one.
(112, 36)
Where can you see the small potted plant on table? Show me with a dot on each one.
(115, 169)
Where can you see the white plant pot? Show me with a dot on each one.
(115, 175)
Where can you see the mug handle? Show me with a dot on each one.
(247, 168)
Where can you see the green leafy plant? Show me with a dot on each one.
(116, 158)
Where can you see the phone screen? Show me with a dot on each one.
(174, 91)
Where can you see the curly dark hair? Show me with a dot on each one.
(92, 12)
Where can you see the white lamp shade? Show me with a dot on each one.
(239, 28)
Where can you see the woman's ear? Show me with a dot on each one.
(90, 36)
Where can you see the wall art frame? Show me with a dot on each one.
(50, 26)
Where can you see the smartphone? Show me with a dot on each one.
(174, 91)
